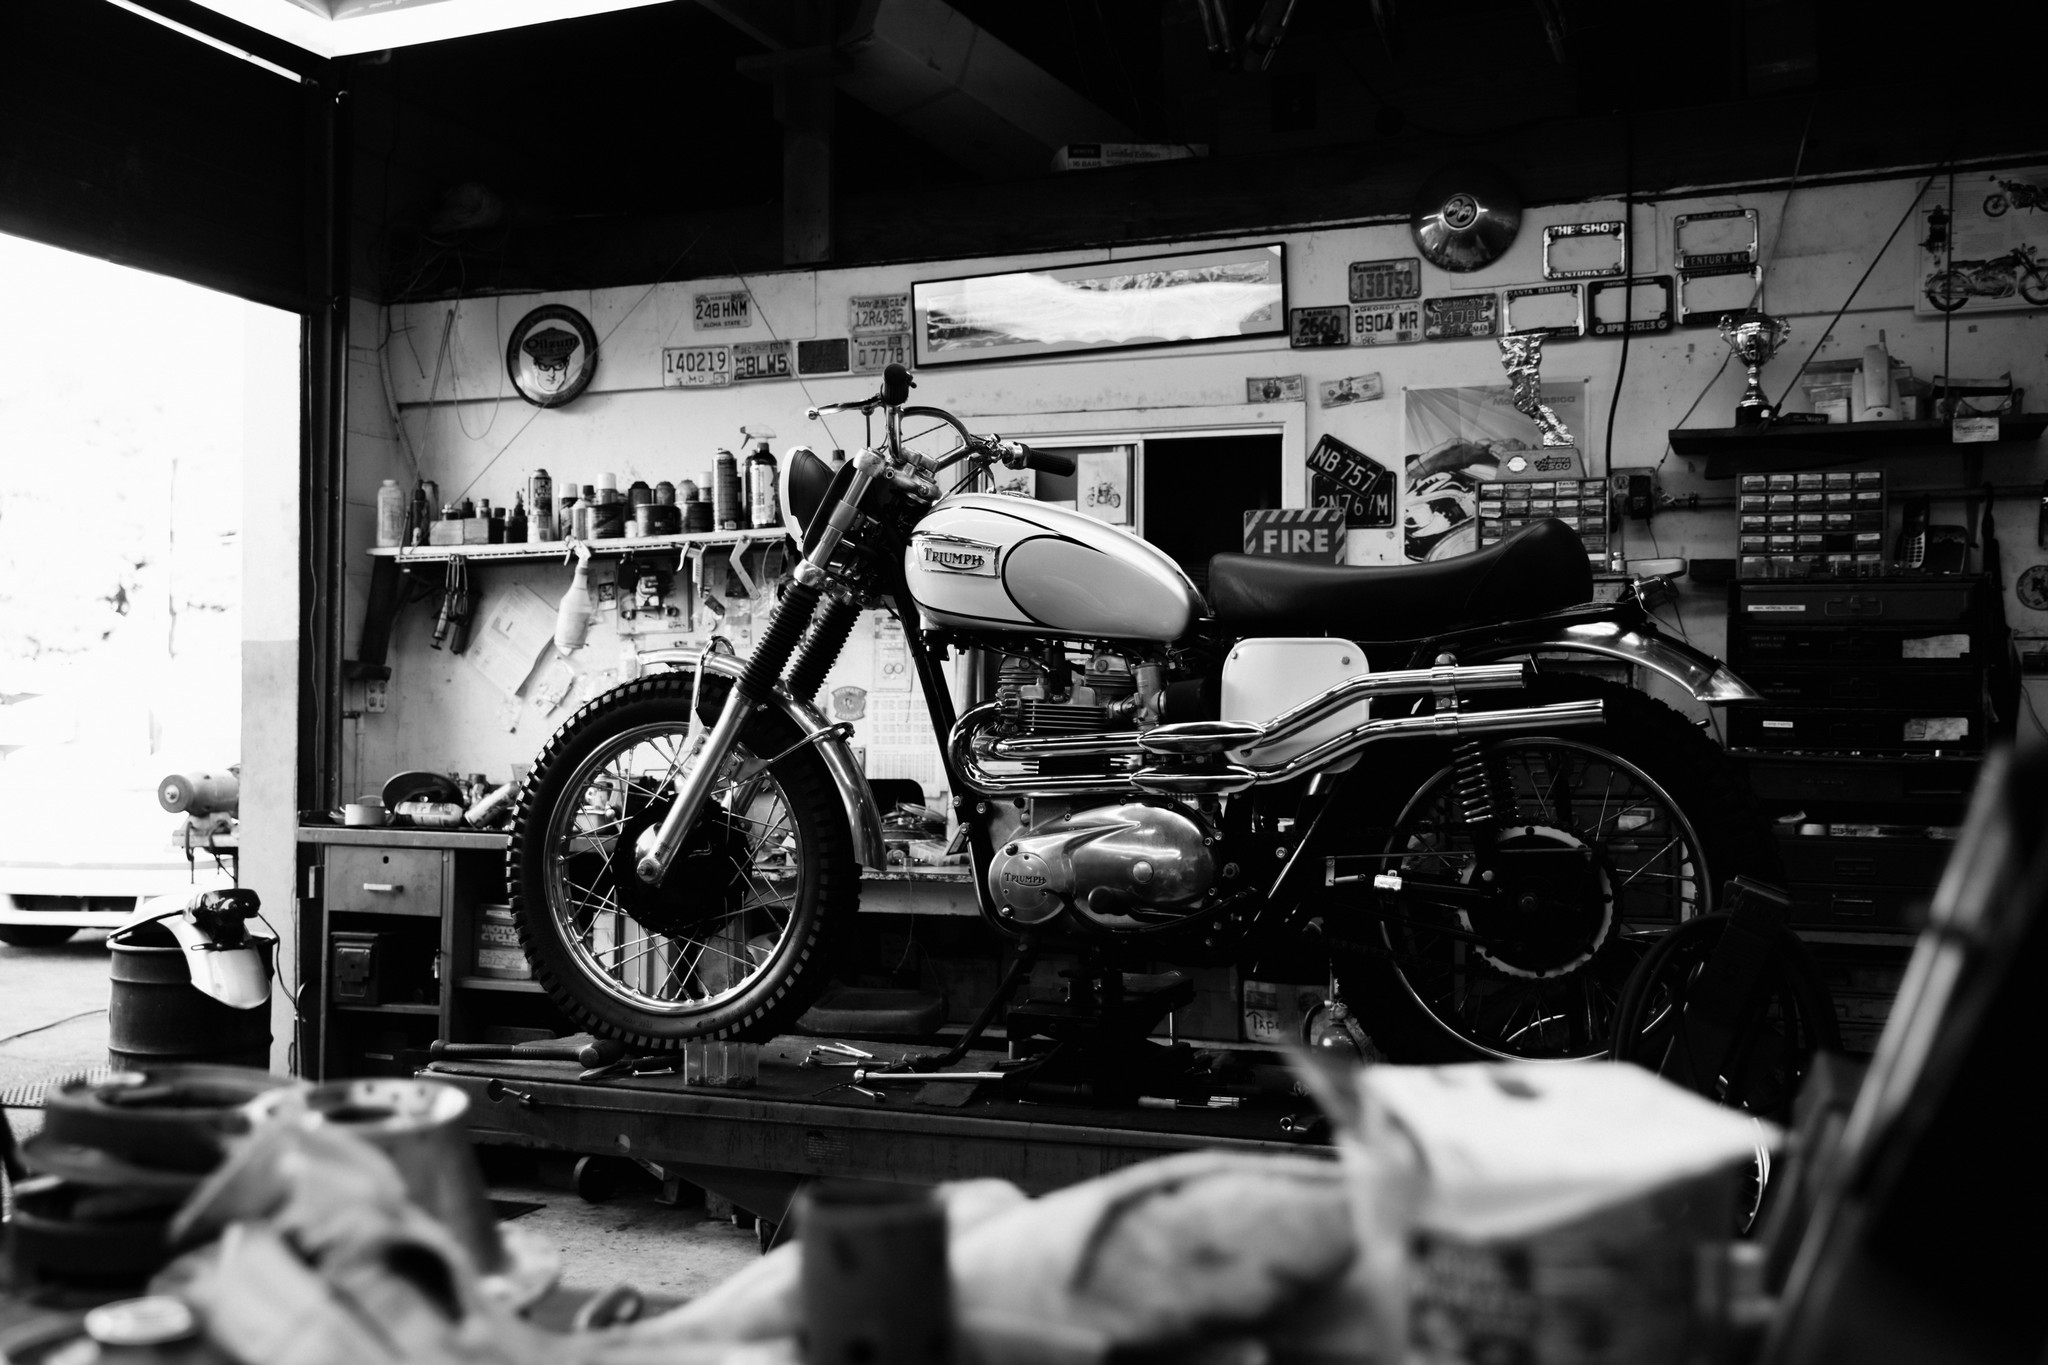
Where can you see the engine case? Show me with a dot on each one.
(1115, 866)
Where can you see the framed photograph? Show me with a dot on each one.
(1102, 484)
(1103, 306)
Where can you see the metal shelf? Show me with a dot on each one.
(394, 1008)
(1760, 450)
(557, 549)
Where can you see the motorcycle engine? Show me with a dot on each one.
(1041, 697)
(1131, 865)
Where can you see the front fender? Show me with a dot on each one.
(863, 819)
(1706, 677)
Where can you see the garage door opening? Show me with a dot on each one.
(122, 406)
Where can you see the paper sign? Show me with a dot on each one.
(517, 627)
(1966, 430)
(1310, 533)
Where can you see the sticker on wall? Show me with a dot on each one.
(1357, 388)
(551, 355)
(729, 308)
(760, 360)
(871, 355)
(1279, 388)
(1386, 281)
(826, 355)
(1641, 304)
(869, 315)
(1102, 484)
(1351, 480)
(1311, 327)
(1311, 533)
(1392, 324)
(849, 702)
(696, 367)
(1458, 316)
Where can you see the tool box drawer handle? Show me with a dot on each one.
(388, 887)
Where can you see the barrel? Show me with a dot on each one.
(156, 1017)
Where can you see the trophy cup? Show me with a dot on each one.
(1755, 338)
(1521, 355)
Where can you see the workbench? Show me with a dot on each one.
(758, 1145)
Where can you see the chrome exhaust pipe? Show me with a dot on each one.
(960, 747)
(1451, 725)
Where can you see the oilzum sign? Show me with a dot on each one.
(1312, 533)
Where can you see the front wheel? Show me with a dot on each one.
(1948, 290)
(1603, 840)
(1995, 205)
(732, 942)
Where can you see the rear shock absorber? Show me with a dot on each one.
(821, 646)
(1479, 804)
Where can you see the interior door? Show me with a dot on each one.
(1195, 491)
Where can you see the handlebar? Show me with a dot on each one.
(1017, 455)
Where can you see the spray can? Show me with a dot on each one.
(390, 513)
(764, 498)
(729, 507)
(540, 497)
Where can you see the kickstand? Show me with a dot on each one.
(1020, 967)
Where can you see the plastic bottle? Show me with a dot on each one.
(565, 518)
(572, 617)
(516, 527)
(466, 509)
(421, 514)
(390, 513)
(764, 496)
(497, 527)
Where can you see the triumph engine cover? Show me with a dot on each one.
(1119, 866)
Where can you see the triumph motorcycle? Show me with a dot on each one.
(1390, 772)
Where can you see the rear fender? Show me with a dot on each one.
(1639, 643)
(863, 819)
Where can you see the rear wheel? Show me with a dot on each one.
(732, 942)
(1605, 840)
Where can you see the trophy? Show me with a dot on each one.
(1521, 355)
(1755, 338)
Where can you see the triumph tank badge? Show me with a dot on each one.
(1522, 357)
(955, 554)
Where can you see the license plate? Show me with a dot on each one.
(696, 367)
(871, 354)
(761, 360)
(732, 308)
(1321, 327)
(1391, 325)
(1460, 315)
(877, 314)
(1379, 281)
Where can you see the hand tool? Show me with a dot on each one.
(577, 1047)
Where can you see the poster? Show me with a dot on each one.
(1102, 484)
(1460, 438)
(1991, 254)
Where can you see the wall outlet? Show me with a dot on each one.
(373, 698)
(1635, 492)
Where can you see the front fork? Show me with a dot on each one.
(659, 844)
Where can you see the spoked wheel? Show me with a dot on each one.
(730, 941)
(1948, 290)
(1607, 839)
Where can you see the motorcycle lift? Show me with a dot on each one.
(1082, 1091)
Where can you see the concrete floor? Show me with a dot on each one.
(668, 1253)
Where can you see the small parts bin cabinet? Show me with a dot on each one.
(391, 921)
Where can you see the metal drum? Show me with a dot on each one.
(156, 1017)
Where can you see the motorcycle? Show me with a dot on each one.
(1995, 278)
(1382, 770)
(2014, 194)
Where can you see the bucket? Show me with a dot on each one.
(155, 1017)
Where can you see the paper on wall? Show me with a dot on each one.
(518, 625)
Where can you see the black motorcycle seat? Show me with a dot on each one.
(1541, 569)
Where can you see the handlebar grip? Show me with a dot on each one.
(1049, 462)
(896, 386)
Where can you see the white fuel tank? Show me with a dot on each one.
(984, 561)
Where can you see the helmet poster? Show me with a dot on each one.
(1459, 438)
